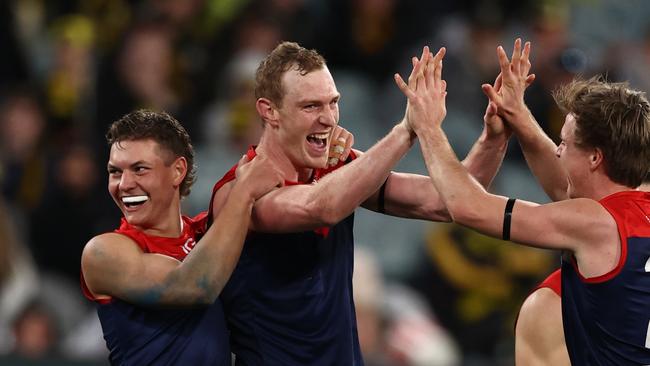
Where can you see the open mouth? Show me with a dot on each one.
(134, 201)
(318, 140)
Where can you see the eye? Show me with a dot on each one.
(114, 172)
(140, 169)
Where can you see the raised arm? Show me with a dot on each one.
(113, 265)
(413, 195)
(332, 198)
(539, 150)
(338, 194)
(572, 224)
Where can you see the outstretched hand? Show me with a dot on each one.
(495, 127)
(507, 93)
(426, 91)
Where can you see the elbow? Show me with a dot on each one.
(464, 213)
(437, 212)
(324, 213)
(204, 296)
(198, 291)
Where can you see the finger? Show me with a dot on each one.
(491, 109)
(503, 61)
(348, 147)
(418, 67)
(411, 79)
(403, 87)
(498, 82)
(489, 91)
(438, 82)
(430, 73)
(244, 160)
(424, 64)
(516, 56)
(525, 60)
(336, 133)
(337, 148)
(438, 63)
(530, 79)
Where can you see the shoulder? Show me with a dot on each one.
(542, 309)
(108, 245)
(539, 335)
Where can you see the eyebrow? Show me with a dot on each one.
(317, 101)
(139, 162)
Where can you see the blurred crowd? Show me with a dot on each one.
(427, 294)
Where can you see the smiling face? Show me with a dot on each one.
(574, 159)
(307, 117)
(143, 186)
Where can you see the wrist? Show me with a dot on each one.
(243, 193)
(404, 129)
(498, 140)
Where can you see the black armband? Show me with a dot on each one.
(507, 217)
(381, 204)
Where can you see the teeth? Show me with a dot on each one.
(135, 199)
(320, 136)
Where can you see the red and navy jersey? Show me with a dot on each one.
(289, 300)
(137, 335)
(553, 282)
(607, 318)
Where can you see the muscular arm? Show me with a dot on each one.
(539, 150)
(413, 195)
(575, 225)
(113, 265)
(539, 335)
(540, 153)
(332, 198)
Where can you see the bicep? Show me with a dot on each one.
(569, 224)
(409, 195)
(113, 265)
(286, 209)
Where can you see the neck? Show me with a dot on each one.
(170, 226)
(272, 149)
(605, 188)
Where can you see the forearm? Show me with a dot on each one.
(207, 268)
(540, 153)
(336, 195)
(485, 158)
(362, 177)
(466, 200)
(411, 196)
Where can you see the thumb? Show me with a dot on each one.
(489, 91)
(491, 109)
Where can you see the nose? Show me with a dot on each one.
(127, 181)
(329, 117)
(558, 151)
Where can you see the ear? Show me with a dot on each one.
(267, 111)
(180, 170)
(595, 159)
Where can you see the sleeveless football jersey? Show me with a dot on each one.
(553, 282)
(289, 300)
(138, 335)
(607, 318)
